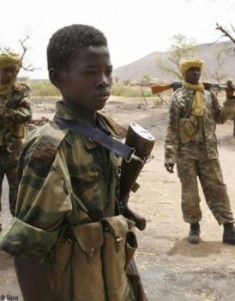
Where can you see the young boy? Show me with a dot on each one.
(15, 113)
(68, 238)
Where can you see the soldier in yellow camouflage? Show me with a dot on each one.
(191, 144)
(15, 112)
(68, 237)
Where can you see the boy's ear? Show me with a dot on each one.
(56, 77)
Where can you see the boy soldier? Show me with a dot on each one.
(69, 240)
(191, 143)
(15, 112)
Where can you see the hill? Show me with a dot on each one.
(218, 57)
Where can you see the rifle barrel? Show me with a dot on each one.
(209, 85)
(158, 88)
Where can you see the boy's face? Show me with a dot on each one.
(7, 74)
(86, 86)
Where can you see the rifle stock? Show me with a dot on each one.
(158, 88)
(142, 142)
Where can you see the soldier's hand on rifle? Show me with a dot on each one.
(140, 221)
(230, 89)
(169, 167)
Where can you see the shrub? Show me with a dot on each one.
(42, 88)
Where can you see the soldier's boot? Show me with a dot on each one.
(229, 234)
(194, 233)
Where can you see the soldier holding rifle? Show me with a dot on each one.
(191, 144)
(69, 238)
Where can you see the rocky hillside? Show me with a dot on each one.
(219, 59)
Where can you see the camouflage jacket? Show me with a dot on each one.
(62, 174)
(15, 112)
(190, 135)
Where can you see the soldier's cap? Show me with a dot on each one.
(190, 62)
(9, 59)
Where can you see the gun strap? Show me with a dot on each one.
(98, 136)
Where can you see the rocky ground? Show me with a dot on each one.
(171, 268)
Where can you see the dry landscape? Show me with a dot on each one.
(171, 268)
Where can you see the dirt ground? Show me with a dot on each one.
(171, 268)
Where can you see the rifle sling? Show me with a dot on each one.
(98, 136)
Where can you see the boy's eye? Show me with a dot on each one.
(89, 72)
(109, 72)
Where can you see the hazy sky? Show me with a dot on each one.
(134, 28)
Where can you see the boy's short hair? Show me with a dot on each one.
(66, 42)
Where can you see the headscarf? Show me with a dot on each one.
(9, 59)
(198, 105)
(190, 62)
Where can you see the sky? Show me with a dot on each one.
(134, 28)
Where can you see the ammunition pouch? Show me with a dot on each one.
(187, 129)
(92, 267)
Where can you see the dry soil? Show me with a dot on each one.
(171, 268)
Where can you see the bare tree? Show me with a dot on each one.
(145, 82)
(181, 48)
(227, 33)
(24, 47)
(220, 58)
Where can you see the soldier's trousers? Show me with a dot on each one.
(8, 168)
(208, 173)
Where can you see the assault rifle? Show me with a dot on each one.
(139, 144)
(142, 143)
(158, 88)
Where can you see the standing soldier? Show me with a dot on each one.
(191, 143)
(15, 112)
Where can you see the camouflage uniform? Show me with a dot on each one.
(65, 180)
(191, 143)
(85, 176)
(15, 112)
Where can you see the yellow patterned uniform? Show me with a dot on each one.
(191, 143)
